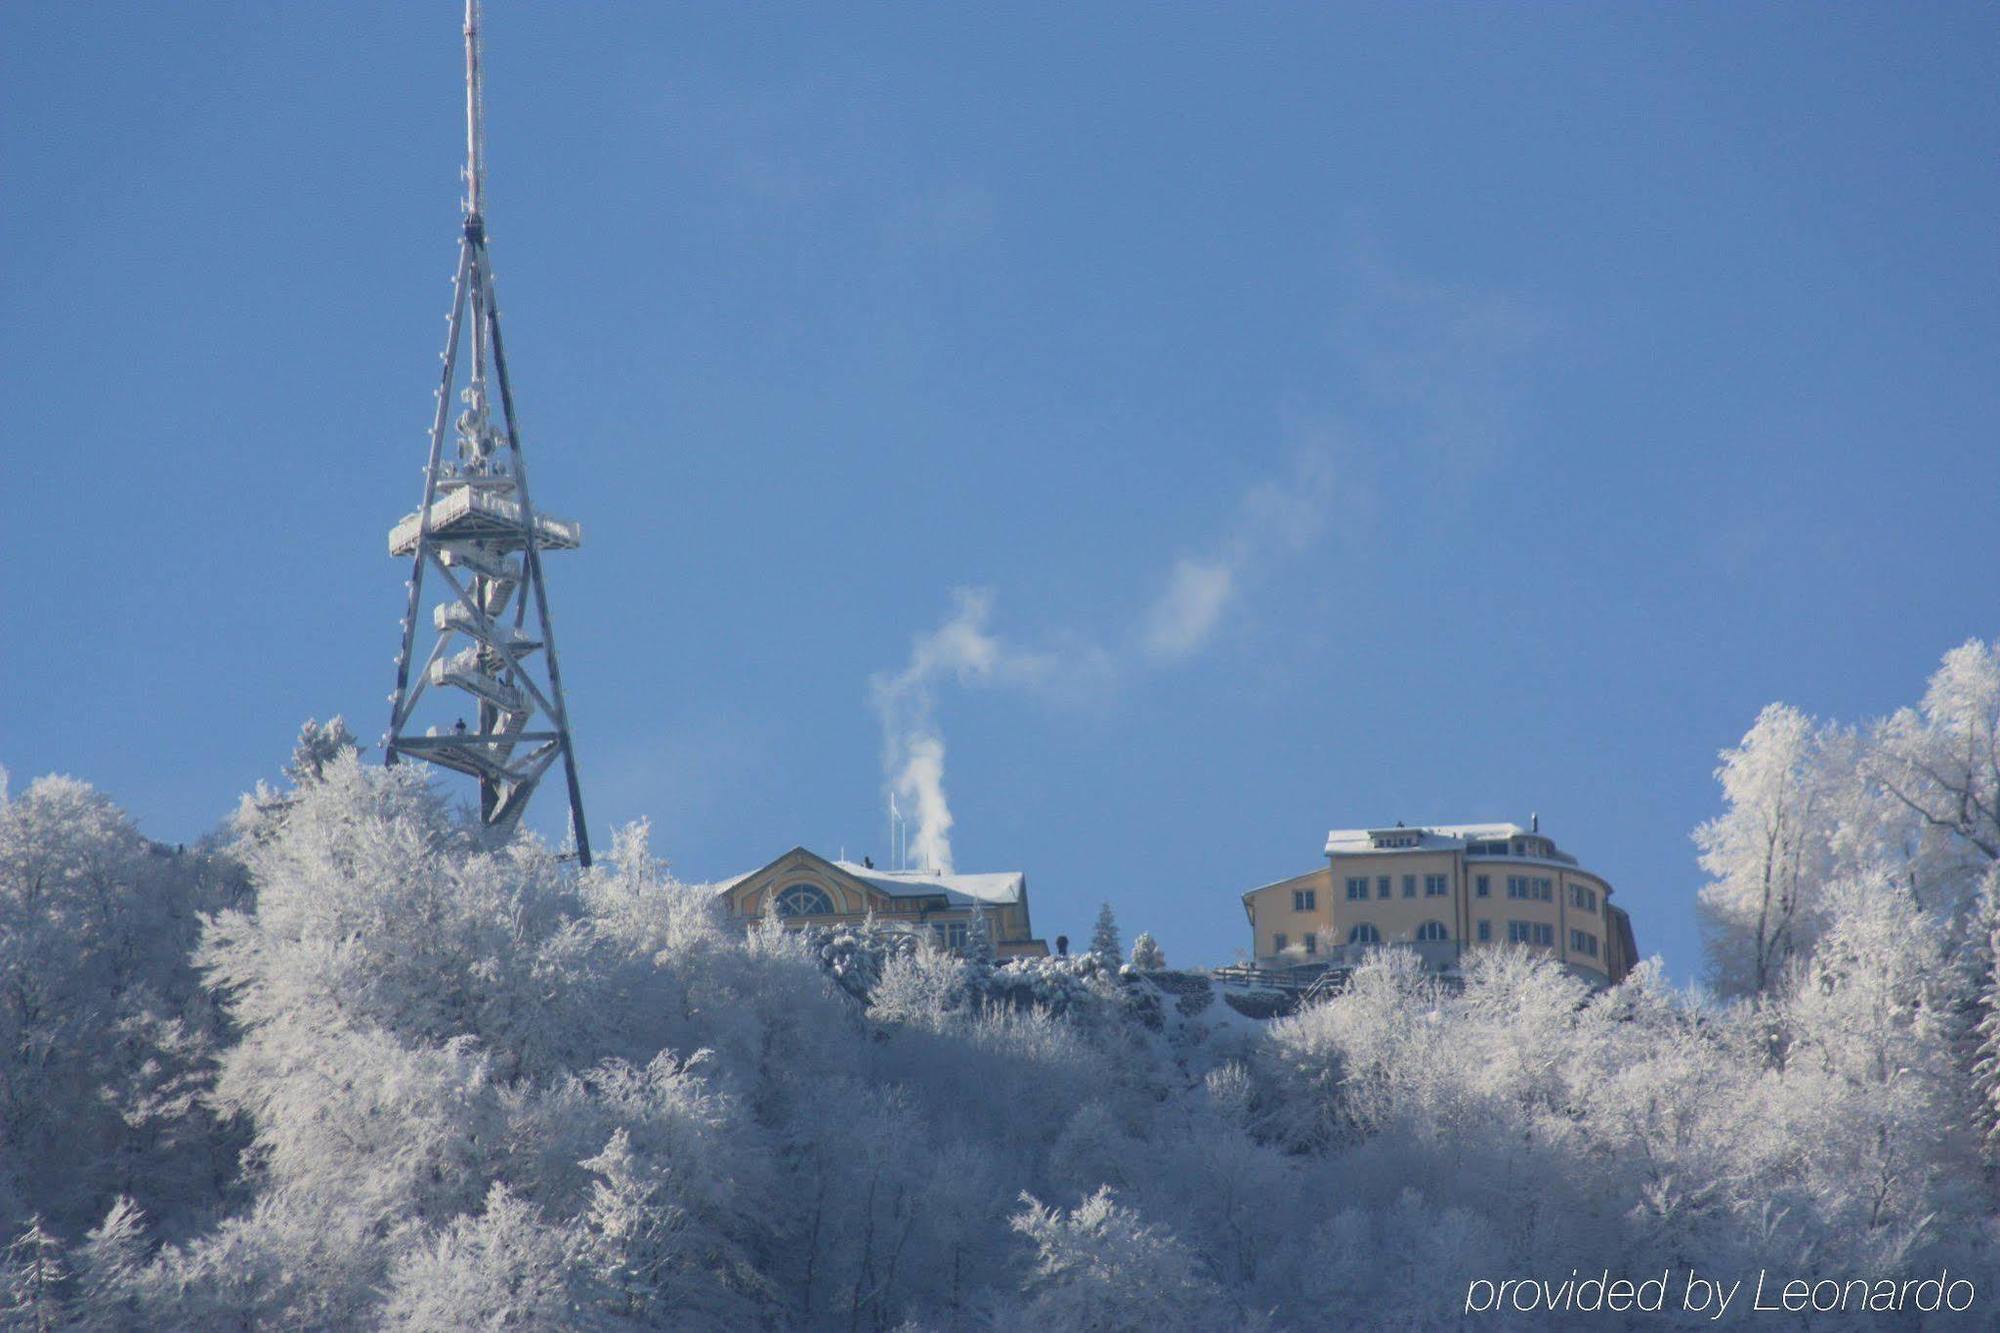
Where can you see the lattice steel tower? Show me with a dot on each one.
(480, 534)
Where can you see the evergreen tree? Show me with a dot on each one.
(979, 939)
(1104, 938)
(112, 1257)
(35, 1276)
(1146, 953)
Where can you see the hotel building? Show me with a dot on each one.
(1442, 889)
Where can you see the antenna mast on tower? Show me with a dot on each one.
(480, 534)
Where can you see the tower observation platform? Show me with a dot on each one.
(478, 534)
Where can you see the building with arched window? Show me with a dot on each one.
(802, 888)
(1441, 890)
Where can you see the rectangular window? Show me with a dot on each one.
(1357, 888)
(1545, 890)
(955, 934)
(1517, 886)
(1382, 886)
(1583, 897)
(1304, 900)
(1485, 930)
(1545, 935)
(1519, 932)
(1436, 886)
(1583, 942)
(1312, 943)
(1409, 886)
(1482, 886)
(1279, 941)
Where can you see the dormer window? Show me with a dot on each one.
(804, 900)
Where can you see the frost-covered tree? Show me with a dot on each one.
(1768, 852)
(106, 1037)
(108, 1268)
(318, 745)
(1100, 1266)
(1984, 982)
(424, 1018)
(927, 987)
(36, 1280)
(481, 1087)
(1941, 760)
(1104, 945)
(979, 940)
(504, 1268)
(1147, 955)
(1871, 1105)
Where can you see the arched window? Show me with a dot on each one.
(1432, 932)
(1364, 934)
(804, 900)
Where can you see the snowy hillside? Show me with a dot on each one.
(348, 1068)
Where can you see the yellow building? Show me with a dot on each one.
(804, 889)
(1441, 890)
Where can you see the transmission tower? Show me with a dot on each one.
(479, 533)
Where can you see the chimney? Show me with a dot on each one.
(1534, 823)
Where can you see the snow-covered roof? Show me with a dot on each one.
(994, 890)
(1289, 879)
(722, 886)
(1427, 837)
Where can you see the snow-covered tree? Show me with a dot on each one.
(1941, 760)
(979, 940)
(504, 1268)
(36, 1280)
(1929, 816)
(106, 1039)
(1147, 955)
(1882, 1117)
(478, 1086)
(1104, 944)
(319, 744)
(108, 1268)
(1100, 1266)
(1768, 852)
(1984, 983)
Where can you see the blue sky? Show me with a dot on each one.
(1551, 387)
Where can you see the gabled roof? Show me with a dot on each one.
(991, 890)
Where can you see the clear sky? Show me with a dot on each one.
(1352, 413)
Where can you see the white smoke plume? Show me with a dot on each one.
(1274, 519)
(1277, 518)
(960, 649)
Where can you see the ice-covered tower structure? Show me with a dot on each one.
(480, 537)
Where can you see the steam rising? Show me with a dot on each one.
(1274, 519)
(960, 649)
